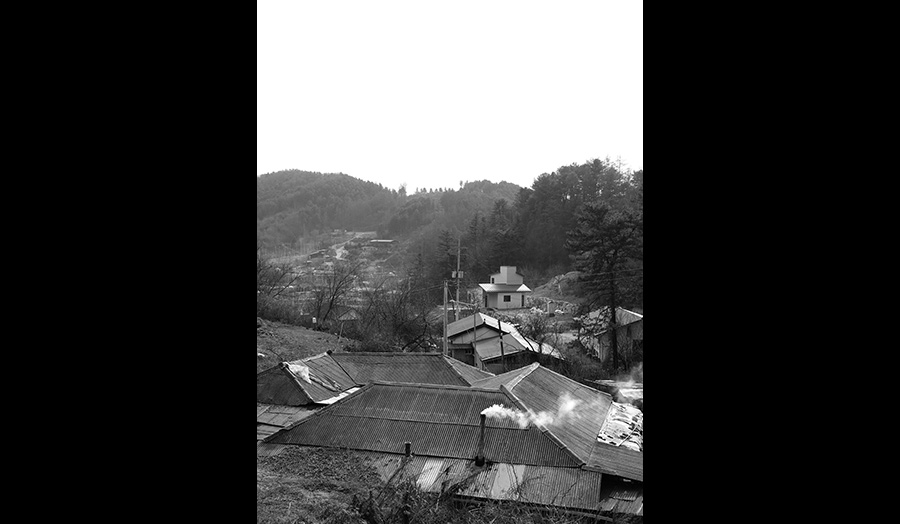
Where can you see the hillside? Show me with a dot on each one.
(274, 340)
(294, 208)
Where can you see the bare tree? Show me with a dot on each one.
(331, 289)
(272, 280)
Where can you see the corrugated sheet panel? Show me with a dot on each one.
(276, 415)
(545, 390)
(619, 497)
(416, 368)
(480, 485)
(567, 487)
(438, 421)
(617, 461)
(430, 472)
(324, 366)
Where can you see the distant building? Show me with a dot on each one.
(494, 346)
(506, 290)
(596, 336)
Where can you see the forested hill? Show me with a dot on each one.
(586, 216)
(291, 205)
(294, 204)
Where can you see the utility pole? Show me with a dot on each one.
(456, 306)
(502, 356)
(445, 318)
(612, 322)
(475, 337)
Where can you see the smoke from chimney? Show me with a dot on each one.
(566, 410)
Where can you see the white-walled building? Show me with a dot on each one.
(506, 290)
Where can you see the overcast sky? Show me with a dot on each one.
(430, 93)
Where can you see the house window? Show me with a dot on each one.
(492, 280)
(507, 298)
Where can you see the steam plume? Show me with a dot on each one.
(566, 410)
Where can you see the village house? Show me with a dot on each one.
(506, 290)
(491, 345)
(596, 336)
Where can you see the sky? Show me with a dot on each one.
(429, 94)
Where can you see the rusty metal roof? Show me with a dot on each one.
(439, 421)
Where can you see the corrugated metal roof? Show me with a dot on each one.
(540, 389)
(416, 368)
(439, 421)
(543, 390)
(514, 343)
(331, 375)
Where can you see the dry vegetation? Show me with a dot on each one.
(284, 342)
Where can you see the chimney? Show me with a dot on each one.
(479, 458)
(407, 449)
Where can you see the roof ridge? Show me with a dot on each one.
(296, 382)
(445, 358)
(431, 386)
(322, 354)
(515, 381)
(392, 353)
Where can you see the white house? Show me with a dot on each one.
(506, 290)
